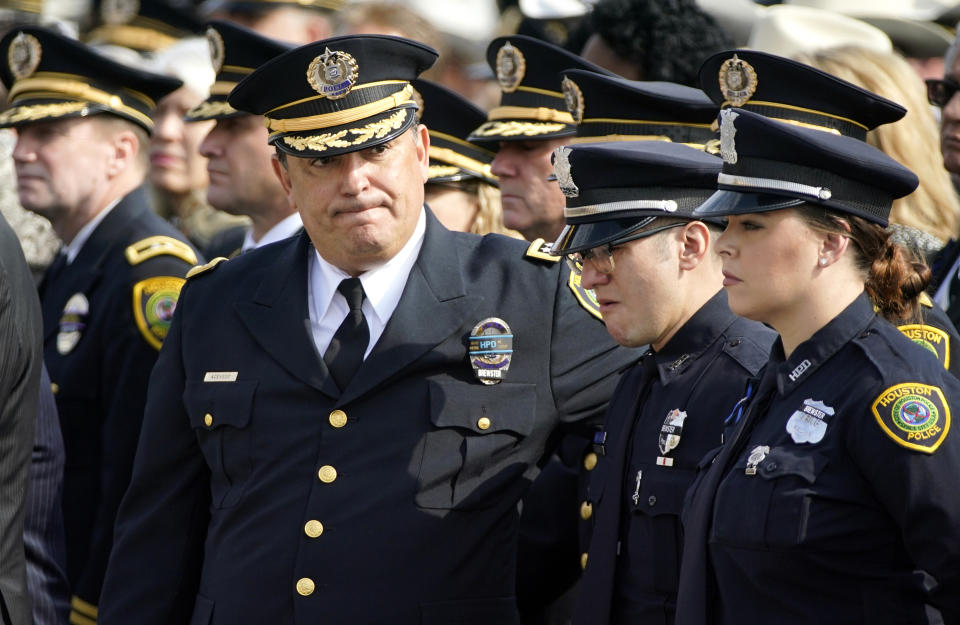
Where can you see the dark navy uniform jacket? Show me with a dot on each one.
(838, 485)
(636, 492)
(104, 315)
(262, 494)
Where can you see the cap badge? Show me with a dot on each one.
(728, 146)
(217, 49)
(573, 97)
(670, 433)
(561, 166)
(511, 67)
(738, 81)
(333, 74)
(491, 350)
(72, 323)
(119, 11)
(23, 57)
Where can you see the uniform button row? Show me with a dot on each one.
(586, 510)
(327, 474)
(313, 528)
(208, 419)
(305, 586)
(338, 418)
(590, 461)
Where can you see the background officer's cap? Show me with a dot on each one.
(793, 92)
(259, 6)
(532, 105)
(450, 118)
(614, 189)
(611, 108)
(50, 76)
(235, 52)
(337, 95)
(768, 165)
(142, 25)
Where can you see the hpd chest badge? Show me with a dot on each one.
(490, 350)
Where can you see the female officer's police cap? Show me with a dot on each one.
(768, 165)
(336, 95)
(614, 189)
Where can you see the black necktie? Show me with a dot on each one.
(345, 353)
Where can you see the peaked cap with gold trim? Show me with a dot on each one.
(611, 108)
(235, 52)
(257, 6)
(450, 118)
(336, 95)
(142, 25)
(50, 76)
(532, 105)
(781, 88)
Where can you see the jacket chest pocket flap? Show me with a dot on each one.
(475, 443)
(219, 414)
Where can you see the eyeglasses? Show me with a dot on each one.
(601, 257)
(939, 92)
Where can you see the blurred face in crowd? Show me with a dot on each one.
(532, 205)
(176, 166)
(239, 158)
(454, 207)
(283, 23)
(360, 208)
(950, 123)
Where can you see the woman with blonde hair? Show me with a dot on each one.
(914, 140)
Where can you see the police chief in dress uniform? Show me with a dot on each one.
(82, 123)
(340, 425)
(239, 159)
(833, 498)
(804, 96)
(656, 274)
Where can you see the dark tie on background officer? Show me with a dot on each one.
(273, 487)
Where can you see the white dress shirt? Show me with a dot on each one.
(73, 248)
(287, 227)
(383, 286)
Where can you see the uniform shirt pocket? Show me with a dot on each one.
(220, 416)
(475, 444)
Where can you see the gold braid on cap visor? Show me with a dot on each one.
(349, 137)
(339, 118)
(59, 87)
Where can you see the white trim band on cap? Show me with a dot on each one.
(668, 206)
(821, 193)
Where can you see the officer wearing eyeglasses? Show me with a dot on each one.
(658, 281)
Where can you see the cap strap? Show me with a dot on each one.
(222, 87)
(464, 162)
(339, 118)
(790, 107)
(820, 193)
(667, 206)
(81, 91)
(540, 113)
(608, 138)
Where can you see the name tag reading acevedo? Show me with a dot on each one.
(220, 376)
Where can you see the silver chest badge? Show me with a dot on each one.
(756, 457)
(670, 433)
(72, 323)
(491, 350)
(809, 424)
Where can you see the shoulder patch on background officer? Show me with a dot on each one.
(586, 297)
(540, 250)
(145, 249)
(914, 415)
(196, 271)
(154, 301)
(931, 338)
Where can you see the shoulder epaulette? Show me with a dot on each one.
(540, 250)
(925, 300)
(196, 271)
(145, 249)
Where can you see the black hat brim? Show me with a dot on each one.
(723, 203)
(585, 236)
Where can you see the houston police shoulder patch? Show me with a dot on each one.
(586, 297)
(931, 338)
(154, 301)
(914, 415)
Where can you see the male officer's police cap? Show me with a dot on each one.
(450, 118)
(614, 189)
(337, 95)
(235, 52)
(258, 6)
(143, 25)
(611, 108)
(532, 105)
(793, 92)
(50, 76)
(768, 165)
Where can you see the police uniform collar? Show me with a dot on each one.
(694, 337)
(827, 341)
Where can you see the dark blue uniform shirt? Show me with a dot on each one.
(667, 412)
(838, 486)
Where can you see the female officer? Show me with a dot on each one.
(834, 497)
